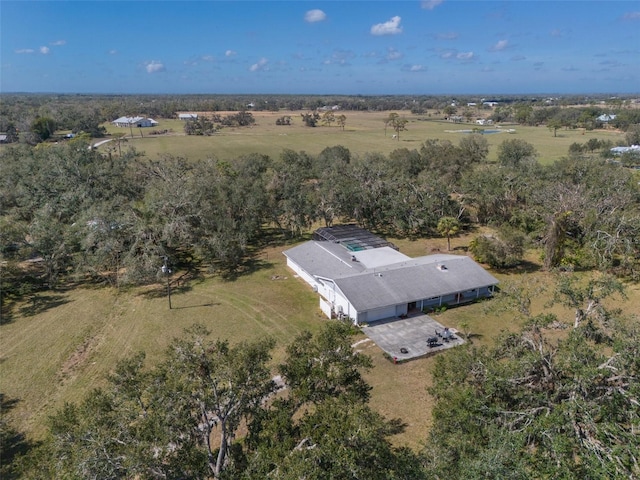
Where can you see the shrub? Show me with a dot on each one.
(502, 251)
(284, 120)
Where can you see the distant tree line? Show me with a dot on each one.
(209, 124)
(86, 113)
(557, 117)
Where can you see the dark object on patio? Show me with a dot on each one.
(432, 342)
(446, 334)
(404, 350)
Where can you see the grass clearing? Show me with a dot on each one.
(60, 354)
(364, 132)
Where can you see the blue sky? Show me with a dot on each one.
(308, 47)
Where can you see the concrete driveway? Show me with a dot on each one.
(406, 338)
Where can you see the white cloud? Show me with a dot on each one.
(464, 56)
(390, 27)
(340, 57)
(25, 50)
(518, 58)
(44, 50)
(58, 43)
(394, 54)
(501, 45)
(417, 68)
(261, 65)
(113, 51)
(631, 16)
(230, 53)
(313, 16)
(193, 61)
(154, 66)
(430, 4)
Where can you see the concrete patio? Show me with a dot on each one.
(406, 338)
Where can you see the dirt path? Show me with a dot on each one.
(97, 144)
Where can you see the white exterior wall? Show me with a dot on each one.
(325, 307)
(326, 289)
(302, 274)
(341, 304)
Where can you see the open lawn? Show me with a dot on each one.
(364, 132)
(64, 344)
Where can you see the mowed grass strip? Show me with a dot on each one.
(61, 353)
(364, 133)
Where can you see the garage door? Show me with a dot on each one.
(381, 313)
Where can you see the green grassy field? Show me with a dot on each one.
(364, 132)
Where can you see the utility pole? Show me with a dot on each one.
(167, 271)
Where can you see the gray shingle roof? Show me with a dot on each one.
(324, 259)
(401, 280)
(419, 278)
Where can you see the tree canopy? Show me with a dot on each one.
(185, 417)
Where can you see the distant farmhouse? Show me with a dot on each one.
(326, 108)
(135, 122)
(606, 118)
(361, 276)
(187, 116)
(621, 150)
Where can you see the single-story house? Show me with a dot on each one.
(134, 122)
(3, 138)
(606, 118)
(621, 150)
(188, 116)
(369, 280)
